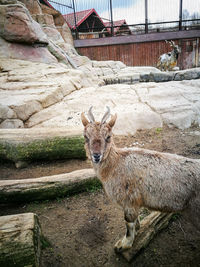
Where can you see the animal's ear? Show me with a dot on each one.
(84, 120)
(112, 121)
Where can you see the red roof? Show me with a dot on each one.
(81, 16)
(117, 24)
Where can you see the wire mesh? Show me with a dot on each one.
(161, 14)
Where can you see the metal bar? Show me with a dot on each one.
(111, 18)
(58, 3)
(197, 53)
(146, 16)
(75, 24)
(180, 14)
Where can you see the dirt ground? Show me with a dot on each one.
(83, 229)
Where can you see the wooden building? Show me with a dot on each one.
(120, 27)
(88, 24)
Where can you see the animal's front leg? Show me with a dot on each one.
(127, 241)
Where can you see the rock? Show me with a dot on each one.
(65, 33)
(17, 25)
(143, 105)
(124, 78)
(54, 112)
(70, 50)
(107, 71)
(140, 70)
(58, 53)
(146, 78)
(33, 91)
(33, 6)
(25, 110)
(8, 2)
(45, 19)
(52, 97)
(60, 24)
(53, 34)
(81, 60)
(48, 10)
(6, 113)
(187, 74)
(141, 117)
(177, 102)
(161, 77)
(25, 52)
(11, 124)
(20, 240)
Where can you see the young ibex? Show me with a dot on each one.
(168, 61)
(135, 177)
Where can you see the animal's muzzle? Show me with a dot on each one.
(96, 157)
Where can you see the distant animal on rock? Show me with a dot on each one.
(168, 61)
(135, 177)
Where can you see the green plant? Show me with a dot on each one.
(45, 243)
(158, 130)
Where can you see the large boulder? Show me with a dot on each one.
(33, 6)
(25, 52)
(17, 25)
(24, 91)
(60, 24)
(138, 106)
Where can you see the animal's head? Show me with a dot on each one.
(98, 135)
(175, 47)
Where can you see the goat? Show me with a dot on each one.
(136, 177)
(168, 61)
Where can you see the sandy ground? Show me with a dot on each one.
(83, 229)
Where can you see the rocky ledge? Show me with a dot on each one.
(131, 75)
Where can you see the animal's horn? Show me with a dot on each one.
(172, 43)
(106, 115)
(90, 115)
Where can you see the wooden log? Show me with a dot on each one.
(20, 240)
(149, 227)
(23, 145)
(48, 187)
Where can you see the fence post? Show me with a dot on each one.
(146, 16)
(197, 53)
(76, 31)
(111, 18)
(180, 14)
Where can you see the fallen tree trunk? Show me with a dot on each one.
(47, 187)
(149, 227)
(20, 240)
(24, 145)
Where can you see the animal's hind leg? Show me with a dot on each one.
(131, 223)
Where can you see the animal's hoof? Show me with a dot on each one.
(122, 245)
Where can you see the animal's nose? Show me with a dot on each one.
(96, 157)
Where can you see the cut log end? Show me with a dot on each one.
(20, 240)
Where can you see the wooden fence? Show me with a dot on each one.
(143, 50)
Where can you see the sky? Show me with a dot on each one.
(133, 10)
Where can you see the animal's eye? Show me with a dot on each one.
(86, 138)
(108, 138)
